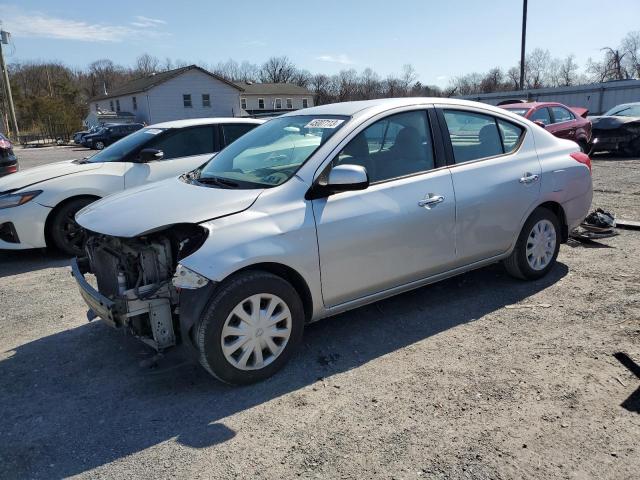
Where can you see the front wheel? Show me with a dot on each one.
(537, 246)
(65, 233)
(99, 145)
(250, 328)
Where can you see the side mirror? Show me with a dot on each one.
(540, 123)
(342, 178)
(149, 155)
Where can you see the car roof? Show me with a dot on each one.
(533, 105)
(372, 107)
(192, 122)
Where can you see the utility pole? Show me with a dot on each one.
(524, 38)
(4, 39)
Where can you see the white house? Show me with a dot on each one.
(266, 98)
(188, 92)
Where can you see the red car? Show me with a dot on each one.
(8, 161)
(564, 122)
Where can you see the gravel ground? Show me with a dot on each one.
(480, 376)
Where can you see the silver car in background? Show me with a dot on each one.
(324, 210)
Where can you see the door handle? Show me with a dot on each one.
(529, 178)
(431, 201)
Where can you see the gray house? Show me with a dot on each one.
(268, 98)
(188, 92)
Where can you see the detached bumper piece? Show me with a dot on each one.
(131, 309)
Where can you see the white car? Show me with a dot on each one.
(38, 205)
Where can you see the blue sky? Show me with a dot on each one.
(441, 39)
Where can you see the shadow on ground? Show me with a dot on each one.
(15, 262)
(77, 400)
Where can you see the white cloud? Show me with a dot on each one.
(23, 23)
(340, 58)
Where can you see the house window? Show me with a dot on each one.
(186, 100)
(305, 103)
(261, 103)
(134, 100)
(111, 105)
(278, 103)
(243, 103)
(117, 105)
(206, 100)
(289, 104)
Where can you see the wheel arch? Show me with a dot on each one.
(54, 211)
(296, 280)
(557, 209)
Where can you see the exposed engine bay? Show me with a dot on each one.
(135, 274)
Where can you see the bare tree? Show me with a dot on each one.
(407, 78)
(568, 71)
(513, 77)
(536, 68)
(492, 81)
(613, 64)
(146, 65)
(631, 49)
(277, 70)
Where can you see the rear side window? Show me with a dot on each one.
(561, 114)
(475, 136)
(185, 142)
(542, 115)
(233, 131)
(511, 135)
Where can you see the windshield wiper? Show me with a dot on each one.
(220, 182)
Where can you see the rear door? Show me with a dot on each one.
(183, 150)
(496, 177)
(563, 123)
(386, 236)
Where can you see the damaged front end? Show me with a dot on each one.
(134, 281)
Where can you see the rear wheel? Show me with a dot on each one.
(250, 328)
(99, 145)
(537, 247)
(584, 146)
(65, 233)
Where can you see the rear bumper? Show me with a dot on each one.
(28, 221)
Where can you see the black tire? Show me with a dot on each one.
(99, 145)
(208, 332)
(517, 264)
(584, 146)
(66, 235)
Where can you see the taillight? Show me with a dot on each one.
(582, 158)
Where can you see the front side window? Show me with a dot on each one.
(270, 154)
(541, 115)
(305, 103)
(186, 100)
(395, 146)
(128, 145)
(473, 135)
(185, 142)
(561, 114)
(206, 100)
(261, 103)
(233, 131)
(289, 103)
(278, 103)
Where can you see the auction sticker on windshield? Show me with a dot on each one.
(323, 123)
(153, 131)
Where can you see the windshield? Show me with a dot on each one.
(625, 111)
(120, 149)
(519, 111)
(270, 154)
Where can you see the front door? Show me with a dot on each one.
(398, 230)
(183, 150)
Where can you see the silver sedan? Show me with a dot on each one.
(324, 210)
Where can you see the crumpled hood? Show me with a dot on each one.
(612, 122)
(36, 175)
(156, 205)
